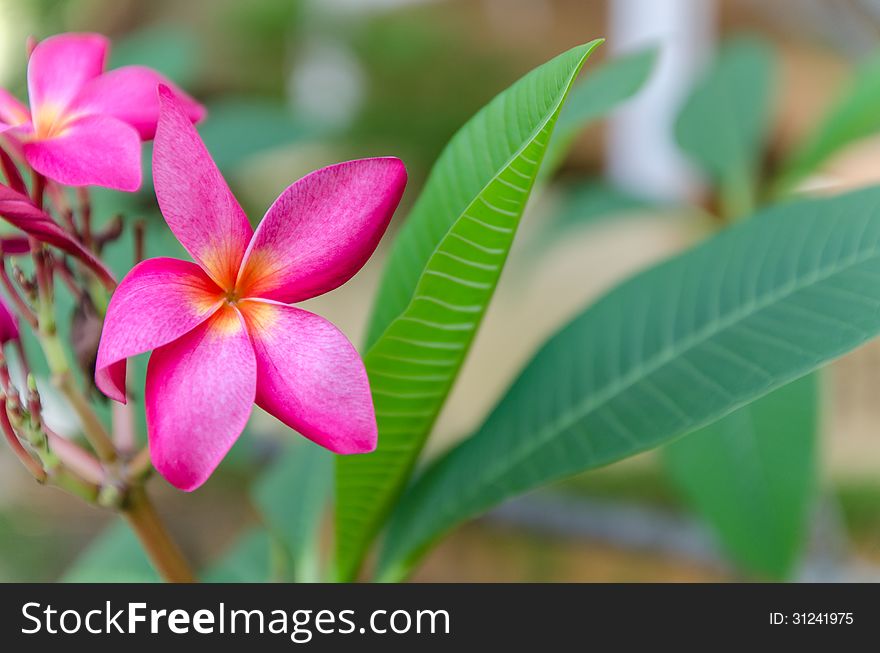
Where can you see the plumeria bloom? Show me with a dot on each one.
(222, 330)
(85, 126)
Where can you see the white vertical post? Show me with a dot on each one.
(642, 155)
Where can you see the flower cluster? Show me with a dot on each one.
(223, 332)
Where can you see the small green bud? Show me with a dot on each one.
(110, 496)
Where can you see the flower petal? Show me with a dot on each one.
(8, 324)
(322, 229)
(194, 198)
(12, 110)
(19, 211)
(158, 301)
(60, 66)
(92, 150)
(15, 136)
(199, 394)
(129, 94)
(311, 377)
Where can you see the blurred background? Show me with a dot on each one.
(291, 86)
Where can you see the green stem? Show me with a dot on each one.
(161, 549)
(75, 458)
(23, 308)
(34, 467)
(63, 379)
(63, 478)
(56, 357)
(140, 466)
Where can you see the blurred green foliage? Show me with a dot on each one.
(169, 48)
(418, 97)
(30, 548)
(854, 115)
(611, 84)
(292, 496)
(249, 560)
(588, 202)
(724, 122)
(752, 476)
(115, 556)
(238, 128)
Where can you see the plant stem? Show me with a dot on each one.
(56, 357)
(124, 438)
(63, 379)
(78, 460)
(140, 466)
(49, 469)
(34, 467)
(23, 308)
(85, 212)
(66, 480)
(140, 232)
(161, 549)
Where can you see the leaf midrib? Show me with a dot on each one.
(513, 157)
(572, 416)
(478, 318)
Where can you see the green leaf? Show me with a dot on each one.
(440, 277)
(478, 154)
(724, 122)
(669, 351)
(249, 561)
(292, 497)
(854, 116)
(115, 556)
(752, 476)
(602, 90)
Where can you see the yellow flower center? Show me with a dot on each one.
(50, 121)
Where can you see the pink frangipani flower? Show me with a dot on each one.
(222, 330)
(85, 126)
